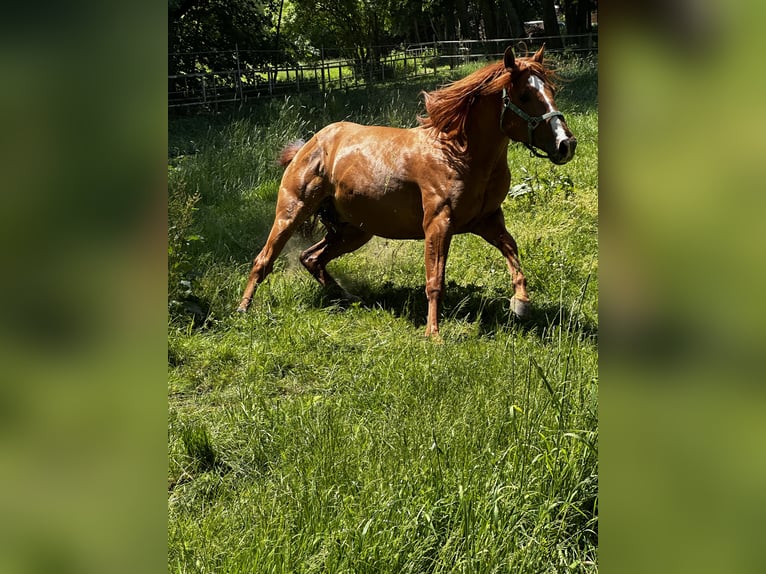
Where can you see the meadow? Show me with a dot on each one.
(313, 436)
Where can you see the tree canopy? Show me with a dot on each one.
(269, 30)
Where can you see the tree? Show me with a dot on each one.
(506, 20)
(352, 26)
(512, 12)
(477, 19)
(577, 15)
(268, 30)
(551, 23)
(209, 27)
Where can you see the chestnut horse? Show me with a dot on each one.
(448, 175)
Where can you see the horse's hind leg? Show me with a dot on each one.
(291, 212)
(341, 238)
(493, 230)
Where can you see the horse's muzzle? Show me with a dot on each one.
(565, 151)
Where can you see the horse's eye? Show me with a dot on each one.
(524, 97)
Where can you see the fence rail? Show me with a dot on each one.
(242, 81)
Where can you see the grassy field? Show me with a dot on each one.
(309, 437)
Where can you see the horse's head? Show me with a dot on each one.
(529, 113)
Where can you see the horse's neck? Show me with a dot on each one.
(486, 144)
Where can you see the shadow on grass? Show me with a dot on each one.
(470, 303)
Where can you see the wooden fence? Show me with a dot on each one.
(241, 81)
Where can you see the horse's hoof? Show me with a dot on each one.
(342, 297)
(351, 298)
(520, 308)
(241, 309)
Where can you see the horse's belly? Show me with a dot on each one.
(393, 214)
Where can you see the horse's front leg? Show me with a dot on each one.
(493, 230)
(438, 234)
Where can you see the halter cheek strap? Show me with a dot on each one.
(532, 121)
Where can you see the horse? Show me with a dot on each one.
(446, 176)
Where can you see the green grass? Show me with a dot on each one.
(308, 437)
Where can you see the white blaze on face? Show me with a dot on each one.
(556, 123)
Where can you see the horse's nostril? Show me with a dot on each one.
(567, 147)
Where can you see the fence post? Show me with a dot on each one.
(324, 89)
(239, 79)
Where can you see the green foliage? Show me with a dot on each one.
(305, 30)
(209, 26)
(305, 436)
(350, 26)
(181, 234)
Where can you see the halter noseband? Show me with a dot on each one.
(532, 121)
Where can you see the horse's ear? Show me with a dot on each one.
(509, 58)
(538, 57)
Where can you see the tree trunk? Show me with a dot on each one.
(449, 20)
(574, 13)
(489, 14)
(276, 38)
(583, 16)
(465, 30)
(515, 25)
(553, 35)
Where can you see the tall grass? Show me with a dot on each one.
(308, 437)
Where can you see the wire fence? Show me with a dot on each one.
(240, 80)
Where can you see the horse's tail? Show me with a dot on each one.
(288, 153)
